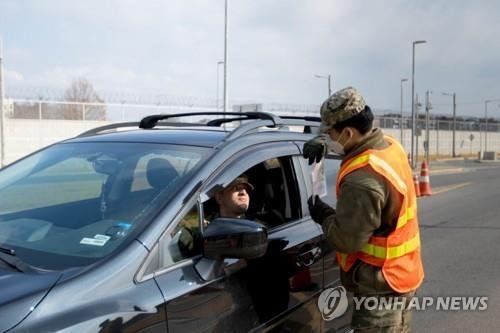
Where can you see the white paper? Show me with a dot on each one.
(319, 179)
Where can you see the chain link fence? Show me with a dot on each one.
(31, 124)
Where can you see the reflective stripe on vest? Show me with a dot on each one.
(393, 251)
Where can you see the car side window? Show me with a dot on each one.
(183, 241)
(275, 199)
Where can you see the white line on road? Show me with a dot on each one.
(443, 189)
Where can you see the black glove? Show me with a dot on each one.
(314, 149)
(319, 210)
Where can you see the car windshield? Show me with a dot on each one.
(75, 203)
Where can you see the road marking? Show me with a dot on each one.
(446, 171)
(450, 187)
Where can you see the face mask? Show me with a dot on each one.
(336, 146)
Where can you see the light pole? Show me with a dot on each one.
(226, 97)
(454, 121)
(413, 102)
(401, 121)
(329, 78)
(486, 121)
(418, 105)
(217, 97)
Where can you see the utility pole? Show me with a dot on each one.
(428, 107)
(226, 97)
(454, 123)
(2, 116)
(401, 121)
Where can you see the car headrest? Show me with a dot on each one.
(160, 172)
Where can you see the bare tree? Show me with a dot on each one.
(82, 91)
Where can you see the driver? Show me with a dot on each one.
(233, 202)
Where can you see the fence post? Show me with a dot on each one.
(83, 111)
(40, 109)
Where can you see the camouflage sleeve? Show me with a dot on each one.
(358, 213)
(189, 242)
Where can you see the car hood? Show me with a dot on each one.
(20, 293)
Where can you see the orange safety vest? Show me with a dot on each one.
(397, 254)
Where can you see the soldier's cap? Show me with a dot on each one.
(242, 179)
(339, 107)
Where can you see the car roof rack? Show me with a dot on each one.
(261, 119)
(151, 121)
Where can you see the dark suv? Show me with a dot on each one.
(90, 227)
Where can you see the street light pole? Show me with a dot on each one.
(329, 85)
(329, 78)
(413, 128)
(217, 96)
(226, 98)
(401, 121)
(417, 108)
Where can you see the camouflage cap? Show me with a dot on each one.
(242, 179)
(340, 106)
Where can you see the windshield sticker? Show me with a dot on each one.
(98, 240)
(102, 237)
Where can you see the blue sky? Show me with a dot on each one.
(275, 48)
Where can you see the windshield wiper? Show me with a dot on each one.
(8, 256)
(12, 252)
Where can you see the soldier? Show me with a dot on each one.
(232, 201)
(374, 227)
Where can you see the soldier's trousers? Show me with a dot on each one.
(382, 314)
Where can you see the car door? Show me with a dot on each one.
(237, 295)
(331, 268)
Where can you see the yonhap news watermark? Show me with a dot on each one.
(333, 303)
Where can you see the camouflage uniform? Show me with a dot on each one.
(366, 207)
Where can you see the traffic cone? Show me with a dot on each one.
(417, 186)
(425, 185)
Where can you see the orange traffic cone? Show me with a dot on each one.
(425, 185)
(417, 186)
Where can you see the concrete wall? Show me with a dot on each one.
(441, 142)
(24, 136)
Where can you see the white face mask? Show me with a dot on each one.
(335, 145)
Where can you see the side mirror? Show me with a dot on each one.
(234, 238)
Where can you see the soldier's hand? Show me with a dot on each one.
(315, 149)
(319, 210)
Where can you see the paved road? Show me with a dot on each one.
(460, 233)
